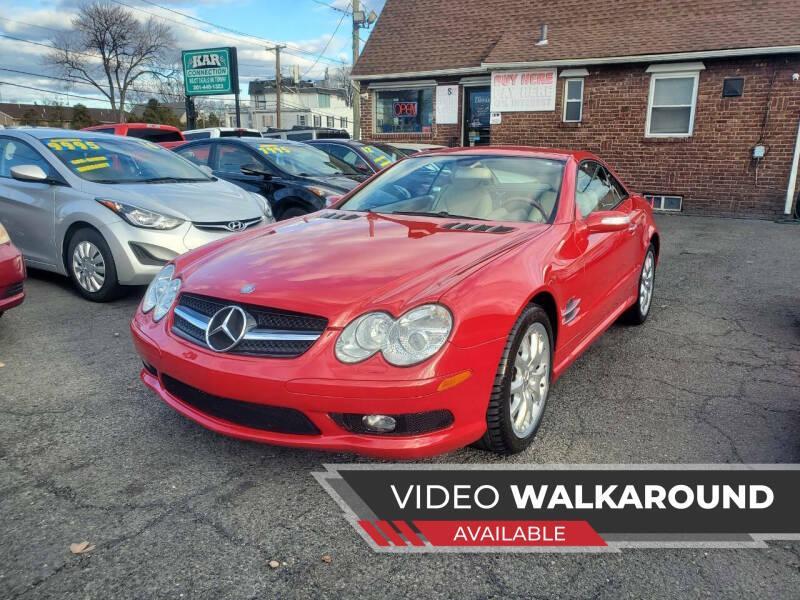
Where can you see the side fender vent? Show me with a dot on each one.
(480, 228)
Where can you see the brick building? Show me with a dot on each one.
(695, 103)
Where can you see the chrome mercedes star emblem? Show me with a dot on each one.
(235, 226)
(248, 288)
(226, 328)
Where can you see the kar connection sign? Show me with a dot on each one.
(210, 72)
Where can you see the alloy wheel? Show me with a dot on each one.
(531, 380)
(88, 266)
(646, 283)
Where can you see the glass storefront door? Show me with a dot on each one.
(477, 131)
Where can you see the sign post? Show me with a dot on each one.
(211, 72)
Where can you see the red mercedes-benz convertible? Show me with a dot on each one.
(431, 308)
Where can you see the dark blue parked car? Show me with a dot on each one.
(295, 178)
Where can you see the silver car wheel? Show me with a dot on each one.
(531, 380)
(88, 266)
(646, 282)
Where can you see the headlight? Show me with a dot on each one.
(139, 217)
(265, 207)
(325, 193)
(4, 238)
(414, 337)
(161, 293)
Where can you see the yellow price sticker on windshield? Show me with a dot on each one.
(274, 149)
(71, 144)
(90, 164)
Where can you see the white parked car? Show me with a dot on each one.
(217, 132)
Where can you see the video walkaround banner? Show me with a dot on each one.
(565, 508)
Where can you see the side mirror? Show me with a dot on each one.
(607, 221)
(29, 173)
(255, 169)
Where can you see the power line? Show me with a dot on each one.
(328, 43)
(29, 87)
(240, 33)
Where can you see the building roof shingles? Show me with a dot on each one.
(431, 35)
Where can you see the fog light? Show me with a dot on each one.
(380, 423)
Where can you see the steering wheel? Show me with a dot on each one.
(528, 202)
(403, 191)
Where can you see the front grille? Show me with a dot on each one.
(267, 320)
(12, 290)
(407, 424)
(228, 225)
(246, 414)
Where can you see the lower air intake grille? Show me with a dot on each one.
(12, 290)
(246, 414)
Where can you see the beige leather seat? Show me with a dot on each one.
(468, 194)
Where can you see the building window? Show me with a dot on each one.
(573, 100)
(671, 104)
(403, 111)
(668, 203)
(343, 122)
(331, 121)
(301, 120)
(317, 121)
(733, 87)
(324, 101)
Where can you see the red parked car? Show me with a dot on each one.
(163, 135)
(457, 286)
(12, 273)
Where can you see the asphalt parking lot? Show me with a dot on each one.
(87, 453)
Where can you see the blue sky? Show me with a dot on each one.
(306, 26)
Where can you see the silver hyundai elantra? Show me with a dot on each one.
(110, 211)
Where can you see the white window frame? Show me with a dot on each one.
(566, 101)
(657, 201)
(695, 75)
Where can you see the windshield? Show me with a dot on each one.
(114, 159)
(239, 133)
(304, 161)
(496, 188)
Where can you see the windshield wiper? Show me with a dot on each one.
(170, 180)
(441, 213)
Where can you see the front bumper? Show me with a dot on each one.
(139, 254)
(12, 275)
(318, 386)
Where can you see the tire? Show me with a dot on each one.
(637, 314)
(502, 435)
(293, 211)
(91, 267)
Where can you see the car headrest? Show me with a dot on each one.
(472, 174)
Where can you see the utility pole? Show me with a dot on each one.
(358, 19)
(277, 50)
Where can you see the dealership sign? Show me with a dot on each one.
(210, 72)
(566, 508)
(524, 91)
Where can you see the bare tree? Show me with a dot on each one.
(110, 49)
(340, 78)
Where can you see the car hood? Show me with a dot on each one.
(341, 183)
(338, 268)
(202, 201)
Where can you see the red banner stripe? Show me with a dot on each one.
(389, 532)
(509, 533)
(373, 533)
(412, 537)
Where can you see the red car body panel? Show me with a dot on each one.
(124, 129)
(393, 263)
(12, 274)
